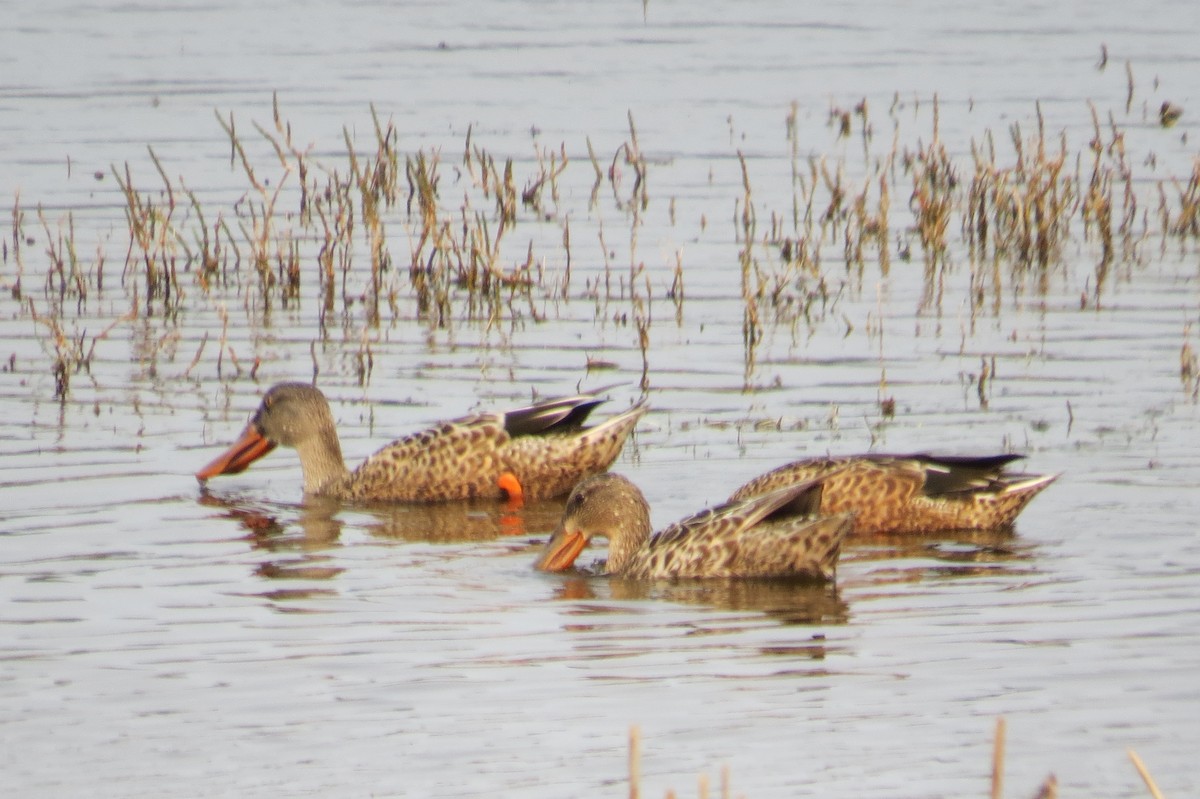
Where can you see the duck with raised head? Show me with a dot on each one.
(536, 452)
(770, 535)
(912, 493)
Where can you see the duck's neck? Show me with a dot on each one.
(625, 543)
(321, 461)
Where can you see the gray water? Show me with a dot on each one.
(160, 639)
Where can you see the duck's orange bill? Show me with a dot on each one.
(561, 550)
(249, 448)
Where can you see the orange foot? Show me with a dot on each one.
(512, 489)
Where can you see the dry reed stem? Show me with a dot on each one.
(635, 767)
(630, 154)
(1128, 87)
(153, 236)
(998, 760)
(1048, 789)
(751, 321)
(1189, 366)
(1015, 218)
(196, 358)
(1144, 773)
(599, 175)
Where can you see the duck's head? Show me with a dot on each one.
(290, 414)
(606, 506)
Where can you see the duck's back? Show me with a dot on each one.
(544, 447)
(913, 493)
(452, 461)
(765, 536)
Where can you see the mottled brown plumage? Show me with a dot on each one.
(770, 535)
(912, 493)
(545, 447)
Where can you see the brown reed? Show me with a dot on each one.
(1017, 217)
(1048, 789)
(935, 182)
(750, 287)
(153, 237)
(1189, 366)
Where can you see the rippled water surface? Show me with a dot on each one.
(160, 639)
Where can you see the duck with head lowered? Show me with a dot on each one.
(535, 452)
(771, 535)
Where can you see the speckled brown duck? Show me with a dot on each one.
(770, 535)
(912, 493)
(539, 452)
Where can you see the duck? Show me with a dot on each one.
(770, 535)
(912, 494)
(536, 452)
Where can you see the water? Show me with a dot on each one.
(160, 638)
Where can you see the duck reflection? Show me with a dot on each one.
(893, 560)
(271, 526)
(299, 536)
(316, 519)
(460, 522)
(319, 528)
(788, 601)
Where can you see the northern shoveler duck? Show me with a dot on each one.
(536, 452)
(769, 535)
(912, 493)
